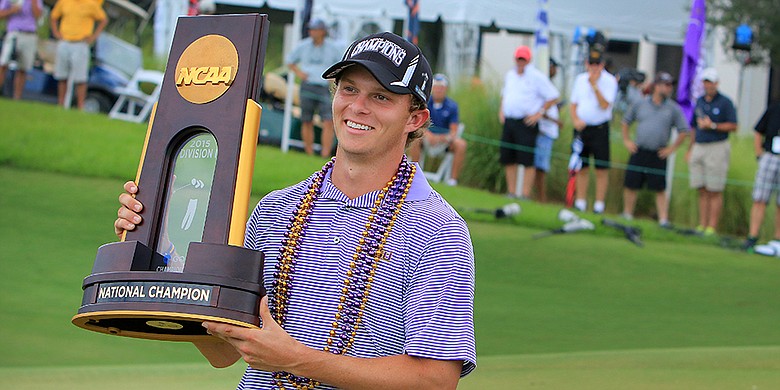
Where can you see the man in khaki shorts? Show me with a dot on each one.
(21, 39)
(77, 24)
(709, 153)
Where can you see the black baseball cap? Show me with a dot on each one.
(595, 57)
(664, 77)
(396, 63)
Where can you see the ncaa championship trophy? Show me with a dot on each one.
(185, 263)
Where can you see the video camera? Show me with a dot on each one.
(626, 75)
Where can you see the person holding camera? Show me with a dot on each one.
(21, 39)
(631, 88)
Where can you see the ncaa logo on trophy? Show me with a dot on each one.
(186, 263)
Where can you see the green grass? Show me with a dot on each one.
(95, 146)
(689, 369)
(479, 111)
(587, 310)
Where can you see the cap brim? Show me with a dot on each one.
(384, 77)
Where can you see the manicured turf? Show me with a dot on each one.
(679, 369)
(664, 314)
(580, 311)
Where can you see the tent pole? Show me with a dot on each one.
(288, 100)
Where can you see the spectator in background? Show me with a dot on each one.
(656, 115)
(525, 98)
(631, 88)
(76, 24)
(308, 60)
(709, 153)
(767, 146)
(21, 39)
(549, 126)
(442, 136)
(592, 97)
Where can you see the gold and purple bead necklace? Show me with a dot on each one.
(362, 268)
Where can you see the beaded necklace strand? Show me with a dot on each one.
(362, 268)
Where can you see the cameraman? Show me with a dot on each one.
(631, 88)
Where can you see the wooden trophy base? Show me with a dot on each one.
(219, 283)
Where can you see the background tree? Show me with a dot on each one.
(763, 16)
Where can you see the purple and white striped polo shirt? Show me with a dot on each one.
(421, 300)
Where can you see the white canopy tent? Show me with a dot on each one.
(659, 22)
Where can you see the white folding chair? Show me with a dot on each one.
(134, 104)
(444, 170)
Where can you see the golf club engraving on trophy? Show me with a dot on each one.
(185, 263)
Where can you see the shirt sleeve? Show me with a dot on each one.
(438, 304)
(100, 14)
(761, 125)
(610, 88)
(575, 90)
(730, 114)
(630, 114)
(294, 56)
(549, 92)
(679, 120)
(455, 117)
(56, 12)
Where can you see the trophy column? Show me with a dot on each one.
(185, 263)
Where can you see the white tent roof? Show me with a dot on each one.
(659, 21)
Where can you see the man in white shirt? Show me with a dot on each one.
(592, 98)
(525, 98)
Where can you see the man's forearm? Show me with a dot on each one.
(453, 135)
(388, 372)
(725, 126)
(219, 353)
(680, 139)
(624, 131)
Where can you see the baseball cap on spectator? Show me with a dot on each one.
(396, 63)
(440, 79)
(523, 52)
(317, 24)
(664, 77)
(595, 57)
(709, 74)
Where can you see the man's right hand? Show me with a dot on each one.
(630, 145)
(579, 124)
(128, 217)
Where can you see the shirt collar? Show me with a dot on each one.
(419, 190)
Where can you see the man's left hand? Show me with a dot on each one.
(531, 120)
(270, 348)
(665, 152)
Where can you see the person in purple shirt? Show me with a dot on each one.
(21, 39)
(368, 221)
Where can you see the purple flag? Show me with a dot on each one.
(690, 68)
(414, 20)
